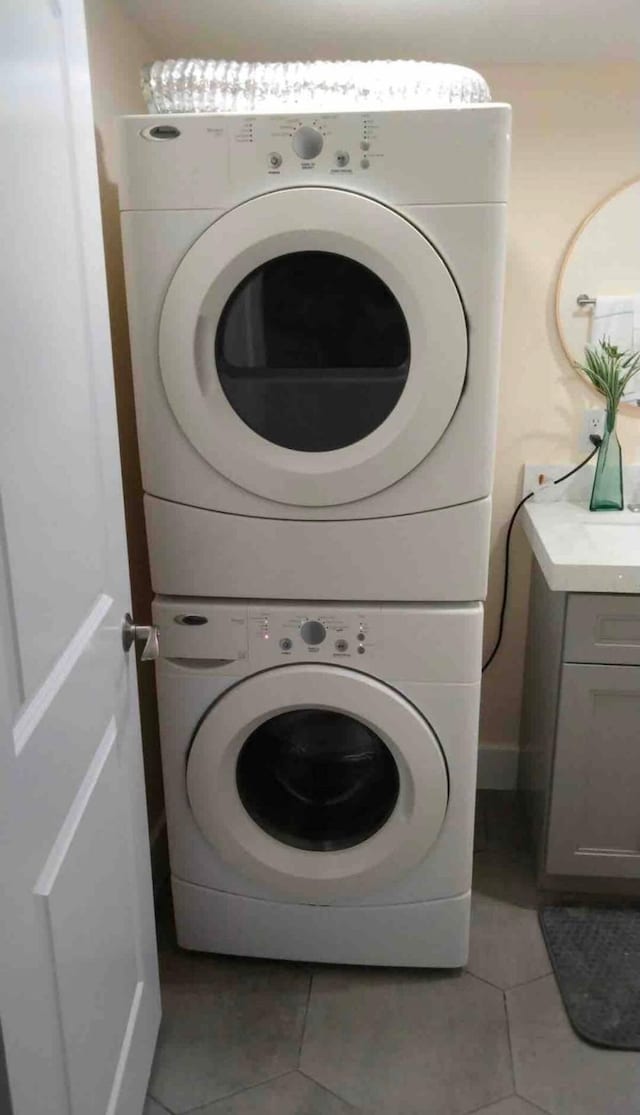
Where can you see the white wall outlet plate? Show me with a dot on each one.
(593, 421)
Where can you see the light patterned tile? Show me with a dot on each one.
(153, 1108)
(293, 1094)
(558, 1071)
(506, 946)
(511, 1106)
(227, 1024)
(392, 1041)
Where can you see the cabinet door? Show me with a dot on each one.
(594, 823)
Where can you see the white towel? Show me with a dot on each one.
(617, 318)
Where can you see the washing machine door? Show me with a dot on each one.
(317, 782)
(313, 346)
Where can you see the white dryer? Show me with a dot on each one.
(319, 769)
(314, 307)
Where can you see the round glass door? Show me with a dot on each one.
(313, 346)
(317, 779)
(312, 351)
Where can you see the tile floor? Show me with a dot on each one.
(249, 1037)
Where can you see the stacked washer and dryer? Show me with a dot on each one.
(314, 307)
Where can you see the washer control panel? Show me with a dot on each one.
(236, 638)
(331, 634)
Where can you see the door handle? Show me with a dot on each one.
(135, 632)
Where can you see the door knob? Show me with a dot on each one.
(134, 632)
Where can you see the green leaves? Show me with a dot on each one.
(609, 370)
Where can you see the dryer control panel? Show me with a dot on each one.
(215, 161)
(338, 146)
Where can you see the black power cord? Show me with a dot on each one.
(596, 440)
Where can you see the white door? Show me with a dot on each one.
(317, 780)
(78, 977)
(313, 346)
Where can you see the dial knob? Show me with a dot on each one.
(307, 142)
(313, 632)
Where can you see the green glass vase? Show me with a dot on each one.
(607, 493)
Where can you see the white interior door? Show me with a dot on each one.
(78, 984)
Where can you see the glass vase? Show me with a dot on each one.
(607, 494)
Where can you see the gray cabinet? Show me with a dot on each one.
(580, 739)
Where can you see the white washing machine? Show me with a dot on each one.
(314, 307)
(319, 769)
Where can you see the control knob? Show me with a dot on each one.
(307, 142)
(313, 632)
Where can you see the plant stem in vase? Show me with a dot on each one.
(610, 370)
(607, 492)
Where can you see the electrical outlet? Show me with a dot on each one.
(592, 423)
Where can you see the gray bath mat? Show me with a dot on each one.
(595, 953)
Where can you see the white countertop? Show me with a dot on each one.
(580, 550)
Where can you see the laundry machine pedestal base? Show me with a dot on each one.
(439, 555)
(432, 934)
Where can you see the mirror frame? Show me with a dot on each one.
(630, 408)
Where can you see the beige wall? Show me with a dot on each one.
(117, 50)
(575, 138)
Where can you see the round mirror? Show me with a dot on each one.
(598, 291)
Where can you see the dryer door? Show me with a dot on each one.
(317, 781)
(313, 346)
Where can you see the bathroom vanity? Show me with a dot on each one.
(580, 729)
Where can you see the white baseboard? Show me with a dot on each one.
(497, 766)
